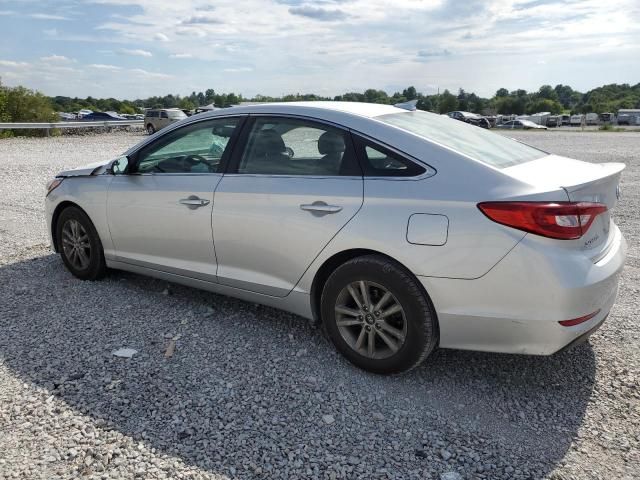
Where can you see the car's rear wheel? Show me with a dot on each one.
(150, 129)
(79, 245)
(378, 316)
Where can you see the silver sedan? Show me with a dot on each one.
(399, 231)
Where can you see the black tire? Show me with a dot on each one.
(421, 331)
(96, 267)
(150, 129)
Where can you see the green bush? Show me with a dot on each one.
(19, 104)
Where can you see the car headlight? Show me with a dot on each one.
(53, 184)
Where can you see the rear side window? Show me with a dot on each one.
(288, 146)
(378, 161)
(152, 113)
(477, 143)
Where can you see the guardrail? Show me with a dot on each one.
(51, 125)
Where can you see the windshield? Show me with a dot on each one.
(176, 114)
(477, 143)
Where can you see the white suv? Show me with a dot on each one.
(157, 119)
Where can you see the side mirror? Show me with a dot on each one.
(119, 166)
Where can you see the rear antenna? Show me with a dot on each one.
(410, 105)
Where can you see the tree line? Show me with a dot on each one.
(19, 104)
(558, 99)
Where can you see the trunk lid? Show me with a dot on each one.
(582, 182)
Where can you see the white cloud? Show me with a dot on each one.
(12, 64)
(145, 73)
(101, 66)
(334, 46)
(57, 59)
(238, 69)
(47, 16)
(136, 52)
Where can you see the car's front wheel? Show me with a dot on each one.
(150, 129)
(79, 245)
(378, 316)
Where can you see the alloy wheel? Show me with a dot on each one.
(76, 245)
(370, 319)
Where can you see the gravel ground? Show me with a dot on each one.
(251, 392)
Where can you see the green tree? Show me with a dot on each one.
(19, 104)
(186, 103)
(410, 93)
(128, 109)
(448, 102)
(4, 114)
(502, 92)
(546, 91)
(544, 105)
(24, 105)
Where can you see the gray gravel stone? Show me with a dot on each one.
(235, 402)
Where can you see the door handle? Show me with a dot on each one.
(320, 208)
(193, 202)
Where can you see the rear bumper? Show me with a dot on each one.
(516, 307)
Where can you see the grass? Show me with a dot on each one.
(610, 128)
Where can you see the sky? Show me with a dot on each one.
(139, 48)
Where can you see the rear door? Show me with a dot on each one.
(289, 190)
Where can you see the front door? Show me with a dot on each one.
(288, 192)
(159, 211)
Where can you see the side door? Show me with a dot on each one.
(291, 186)
(163, 121)
(159, 209)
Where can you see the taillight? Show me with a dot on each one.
(561, 220)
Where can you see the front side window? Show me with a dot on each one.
(164, 115)
(285, 146)
(195, 148)
(477, 143)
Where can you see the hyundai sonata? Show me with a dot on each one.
(399, 231)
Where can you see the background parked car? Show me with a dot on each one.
(607, 117)
(472, 118)
(554, 121)
(66, 117)
(521, 125)
(157, 119)
(102, 116)
(592, 119)
(576, 120)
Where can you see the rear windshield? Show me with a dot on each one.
(475, 142)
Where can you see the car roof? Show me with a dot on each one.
(321, 109)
